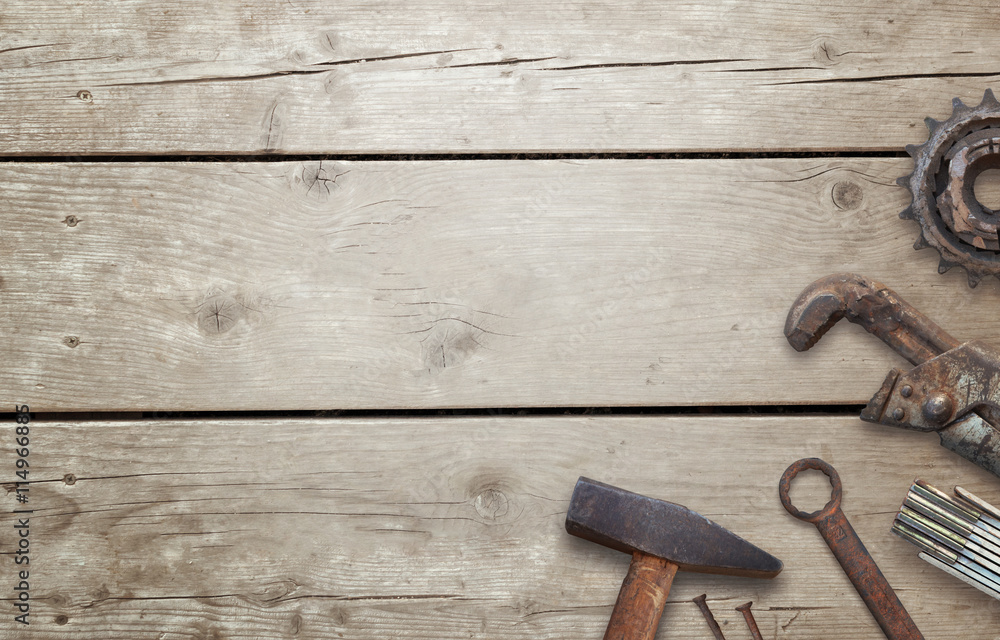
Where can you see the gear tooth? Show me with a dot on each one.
(904, 181)
(926, 189)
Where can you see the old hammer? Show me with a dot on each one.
(662, 538)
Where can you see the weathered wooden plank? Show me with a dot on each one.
(448, 284)
(170, 76)
(450, 527)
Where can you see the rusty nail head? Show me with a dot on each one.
(751, 623)
(709, 618)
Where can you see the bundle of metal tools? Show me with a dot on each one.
(960, 537)
(953, 390)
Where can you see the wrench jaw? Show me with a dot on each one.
(956, 394)
(871, 305)
(813, 314)
(875, 410)
(823, 303)
(894, 408)
(942, 390)
(971, 436)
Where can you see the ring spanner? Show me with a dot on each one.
(851, 553)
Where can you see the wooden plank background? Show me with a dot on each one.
(453, 527)
(427, 76)
(232, 220)
(324, 285)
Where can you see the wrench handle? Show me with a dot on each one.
(850, 552)
(867, 578)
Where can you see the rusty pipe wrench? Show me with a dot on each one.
(954, 389)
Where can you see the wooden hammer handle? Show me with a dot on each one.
(641, 599)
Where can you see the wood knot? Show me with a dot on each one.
(319, 180)
(826, 52)
(339, 616)
(219, 313)
(61, 619)
(847, 195)
(98, 595)
(275, 591)
(453, 337)
(330, 40)
(492, 504)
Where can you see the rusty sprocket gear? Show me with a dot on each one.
(964, 231)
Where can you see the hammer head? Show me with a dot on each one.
(630, 522)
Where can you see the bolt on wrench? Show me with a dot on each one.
(851, 553)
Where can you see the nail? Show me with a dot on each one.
(712, 624)
(745, 610)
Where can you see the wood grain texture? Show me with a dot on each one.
(429, 76)
(240, 286)
(453, 528)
